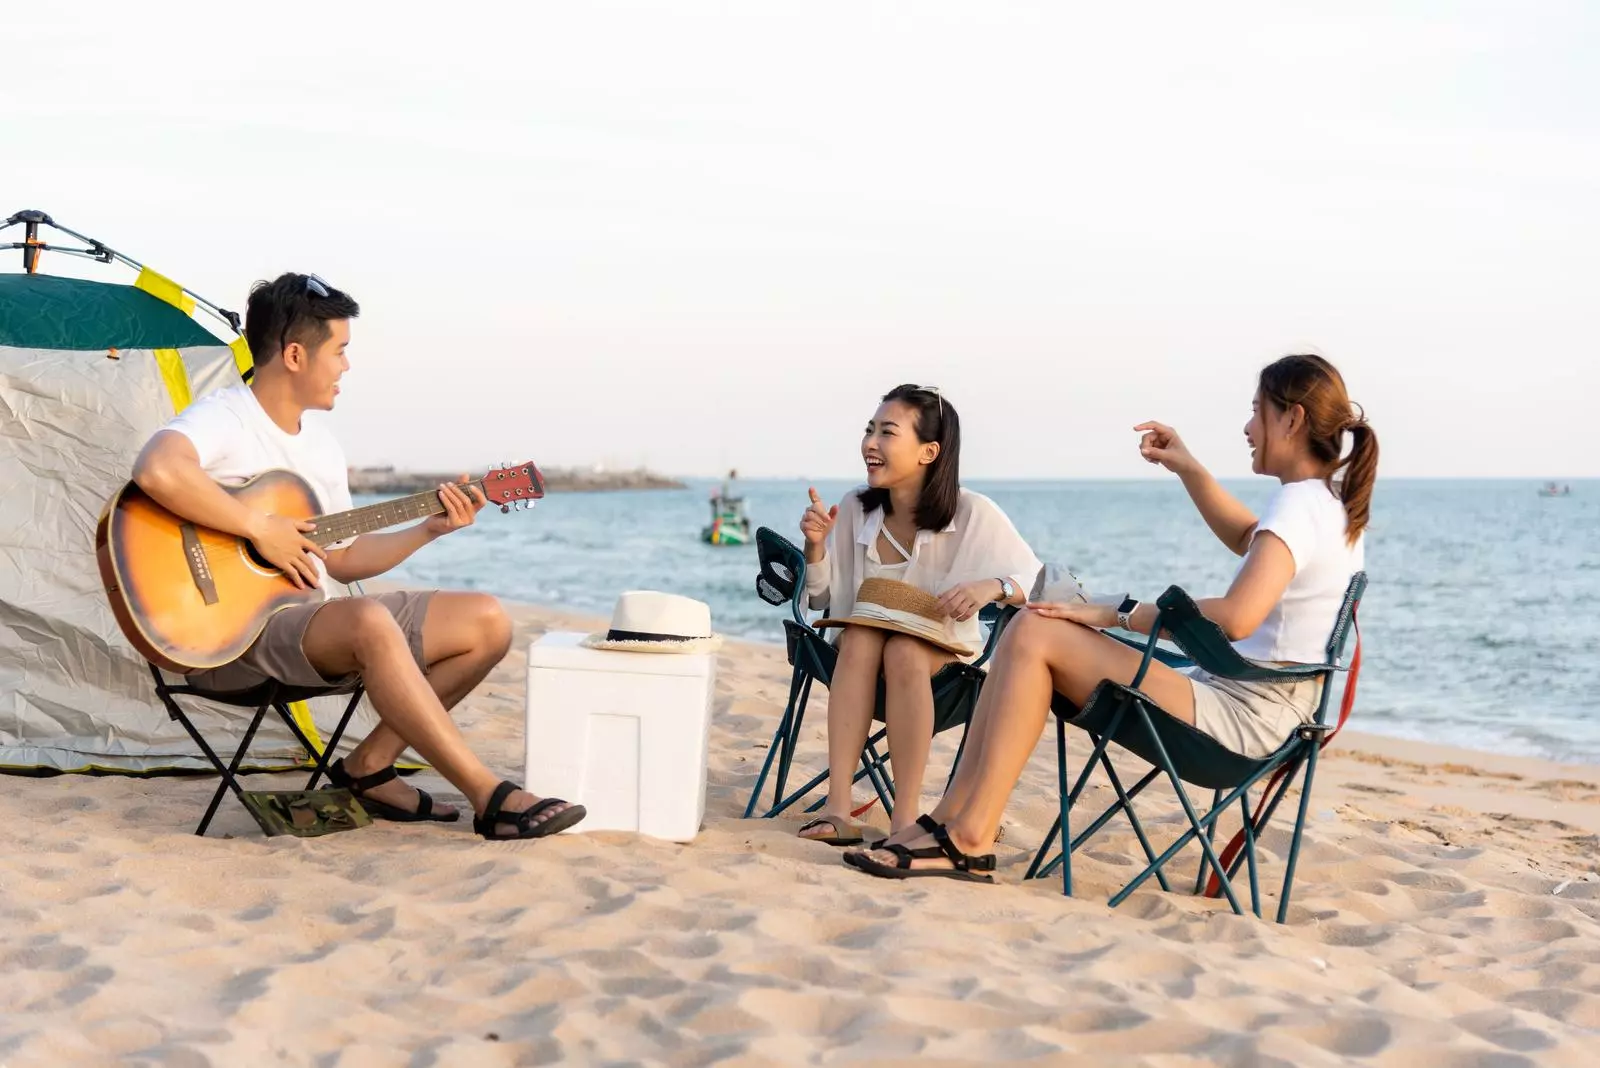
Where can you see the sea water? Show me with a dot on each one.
(1481, 623)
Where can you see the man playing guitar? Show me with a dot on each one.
(417, 652)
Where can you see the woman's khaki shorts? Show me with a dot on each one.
(278, 654)
(1252, 718)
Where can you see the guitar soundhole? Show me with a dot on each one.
(256, 558)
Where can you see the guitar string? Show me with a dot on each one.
(364, 520)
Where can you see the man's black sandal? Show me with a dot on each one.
(527, 823)
(382, 810)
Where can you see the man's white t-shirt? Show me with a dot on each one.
(1311, 521)
(237, 440)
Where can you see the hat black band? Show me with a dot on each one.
(615, 635)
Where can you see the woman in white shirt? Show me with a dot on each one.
(912, 523)
(1299, 557)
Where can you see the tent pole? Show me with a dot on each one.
(30, 250)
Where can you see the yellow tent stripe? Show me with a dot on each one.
(176, 377)
(241, 354)
(163, 288)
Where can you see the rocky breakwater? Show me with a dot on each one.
(386, 481)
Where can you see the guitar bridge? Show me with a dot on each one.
(199, 568)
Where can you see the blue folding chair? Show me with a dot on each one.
(1124, 714)
(782, 579)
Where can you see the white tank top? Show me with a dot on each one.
(878, 569)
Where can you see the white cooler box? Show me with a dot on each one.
(623, 734)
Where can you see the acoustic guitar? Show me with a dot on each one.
(190, 598)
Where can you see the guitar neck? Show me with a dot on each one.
(371, 517)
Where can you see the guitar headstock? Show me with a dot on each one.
(510, 486)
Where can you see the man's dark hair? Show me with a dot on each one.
(941, 487)
(293, 307)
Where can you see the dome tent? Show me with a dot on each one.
(88, 371)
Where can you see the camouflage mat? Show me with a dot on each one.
(306, 813)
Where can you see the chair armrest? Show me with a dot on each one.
(997, 622)
(1211, 650)
(1134, 640)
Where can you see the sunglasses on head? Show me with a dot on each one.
(317, 288)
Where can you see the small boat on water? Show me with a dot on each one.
(729, 523)
(1553, 489)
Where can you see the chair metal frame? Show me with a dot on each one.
(1124, 714)
(782, 580)
(267, 695)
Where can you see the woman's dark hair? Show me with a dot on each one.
(293, 307)
(1316, 385)
(937, 421)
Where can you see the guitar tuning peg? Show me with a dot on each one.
(504, 508)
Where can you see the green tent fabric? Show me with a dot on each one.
(39, 311)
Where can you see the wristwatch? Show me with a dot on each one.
(1125, 613)
(1007, 590)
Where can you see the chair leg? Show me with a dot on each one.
(1250, 853)
(1061, 798)
(878, 773)
(1299, 829)
(780, 739)
(1068, 843)
(229, 771)
(1126, 800)
(791, 741)
(1197, 827)
(1070, 798)
(320, 760)
(1211, 832)
(1064, 818)
(864, 772)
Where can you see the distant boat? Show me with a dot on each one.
(729, 524)
(1554, 489)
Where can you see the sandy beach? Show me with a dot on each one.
(1447, 913)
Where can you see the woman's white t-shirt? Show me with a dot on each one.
(1311, 522)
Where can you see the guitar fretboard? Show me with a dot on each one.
(365, 520)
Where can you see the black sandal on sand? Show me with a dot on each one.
(382, 810)
(924, 821)
(844, 832)
(527, 822)
(965, 868)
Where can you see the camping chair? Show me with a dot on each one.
(268, 695)
(955, 687)
(1123, 714)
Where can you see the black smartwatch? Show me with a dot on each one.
(1125, 613)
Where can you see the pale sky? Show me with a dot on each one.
(696, 235)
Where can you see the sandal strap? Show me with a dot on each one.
(960, 860)
(491, 811)
(523, 821)
(531, 814)
(366, 782)
(928, 823)
(904, 855)
(424, 804)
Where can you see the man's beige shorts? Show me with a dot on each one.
(277, 653)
